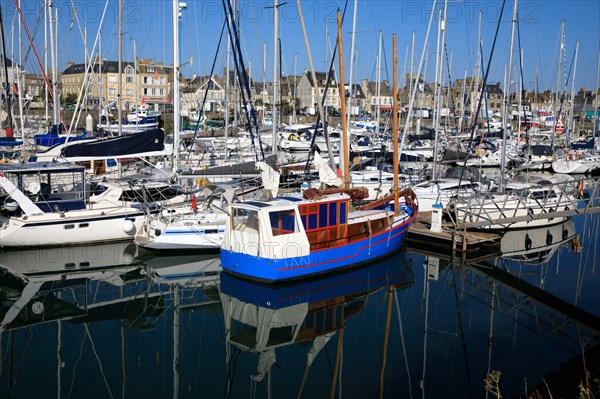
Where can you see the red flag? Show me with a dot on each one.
(155, 73)
(14, 88)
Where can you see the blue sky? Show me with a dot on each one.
(148, 22)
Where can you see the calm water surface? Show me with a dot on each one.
(109, 322)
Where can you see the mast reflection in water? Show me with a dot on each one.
(107, 321)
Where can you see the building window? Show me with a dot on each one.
(161, 92)
(112, 79)
(145, 91)
(129, 79)
(112, 92)
(129, 92)
(150, 69)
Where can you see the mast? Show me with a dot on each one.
(412, 62)
(395, 123)
(562, 47)
(345, 149)
(353, 41)
(439, 63)
(315, 83)
(478, 67)
(227, 88)
(19, 76)
(53, 38)
(265, 95)
(45, 60)
(135, 68)
(100, 78)
(9, 129)
(573, 86)
(176, 103)
(120, 72)
(595, 118)
(507, 96)
(294, 96)
(85, 63)
(274, 109)
(379, 83)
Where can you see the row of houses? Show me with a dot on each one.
(149, 82)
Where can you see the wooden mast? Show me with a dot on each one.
(395, 124)
(344, 152)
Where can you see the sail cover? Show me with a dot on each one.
(148, 143)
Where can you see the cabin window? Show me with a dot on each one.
(283, 222)
(83, 225)
(280, 335)
(69, 227)
(323, 215)
(332, 214)
(245, 220)
(312, 221)
(342, 212)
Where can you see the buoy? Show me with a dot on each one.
(89, 123)
(194, 203)
(11, 205)
(128, 226)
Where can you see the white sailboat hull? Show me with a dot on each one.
(71, 228)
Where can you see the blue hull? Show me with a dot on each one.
(393, 271)
(317, 262)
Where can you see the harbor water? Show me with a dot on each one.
(111, 321)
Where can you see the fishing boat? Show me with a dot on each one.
(302, 235)
(316, 232)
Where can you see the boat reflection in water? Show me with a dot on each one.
(262, 318)
(68, 262)
(183, 268)
(538, 245)
(78, 284)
